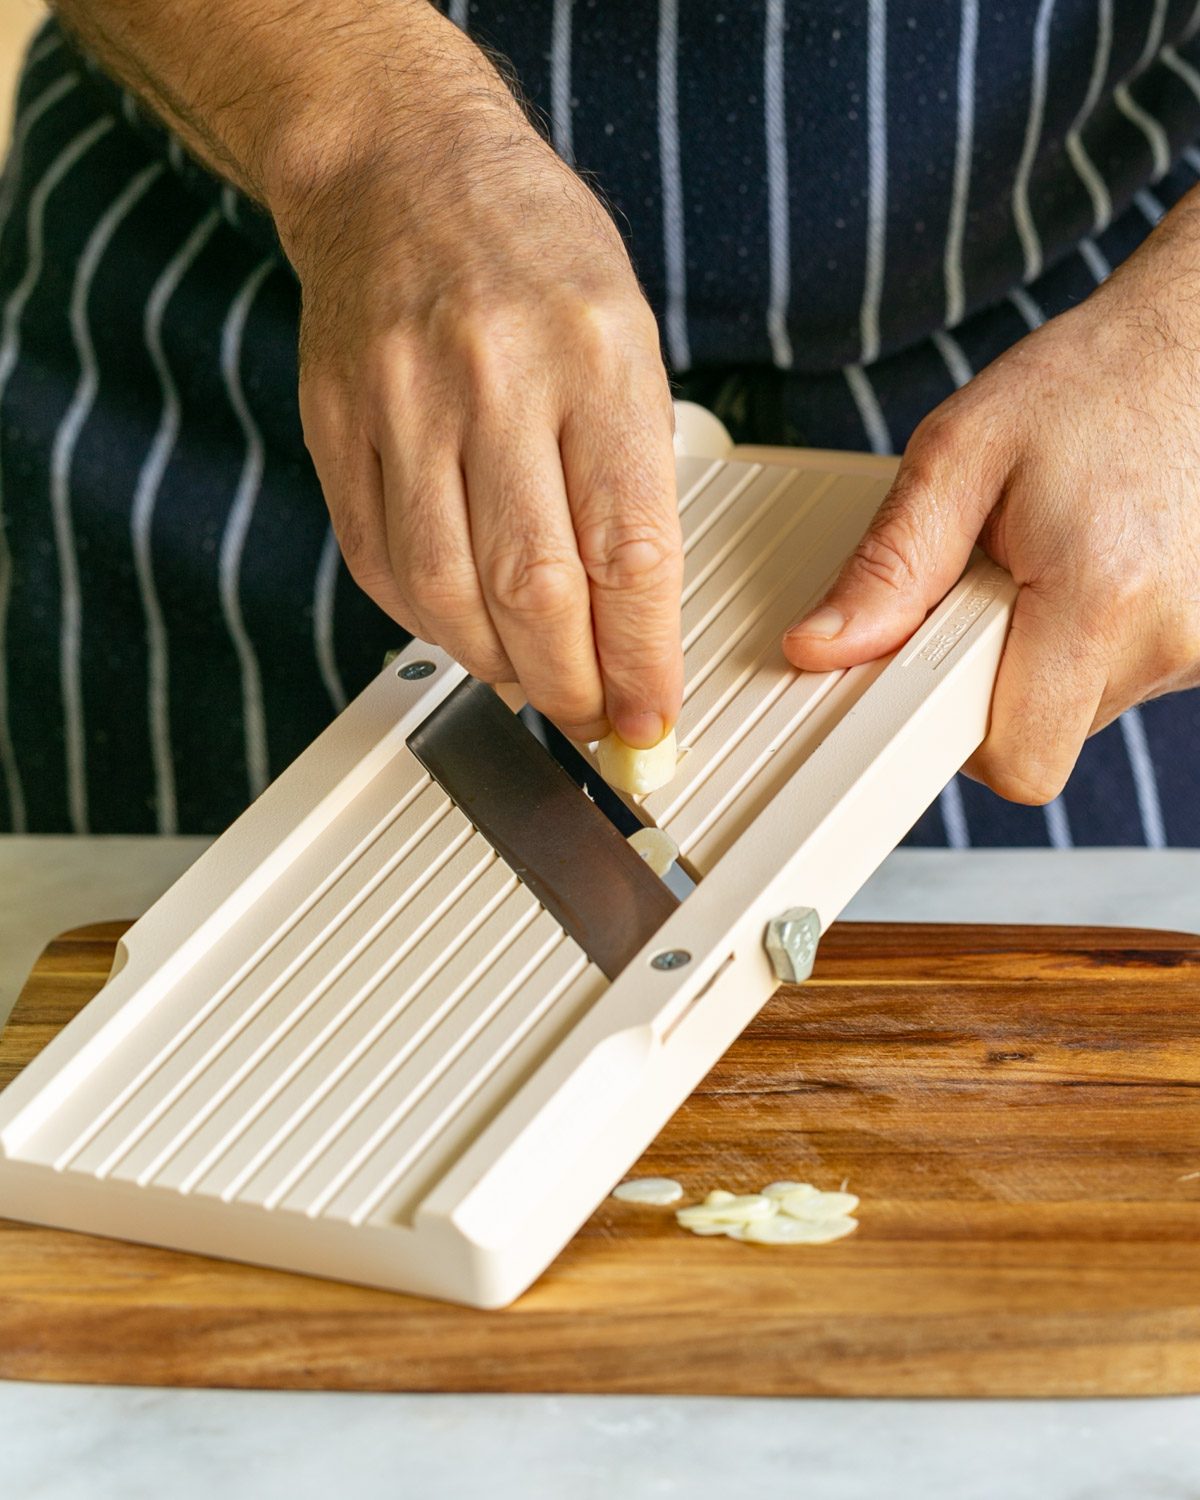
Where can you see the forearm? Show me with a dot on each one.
(289, 98)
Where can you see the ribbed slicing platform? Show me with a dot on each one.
(762, 543)
(405, 988)
(349, 1041)
(334, 1053)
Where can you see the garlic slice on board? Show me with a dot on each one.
(817, 1206)
(784, 1230)
(788, 1189)
(738, 1210)
(654, 1190)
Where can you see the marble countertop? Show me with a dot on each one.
(109, 1443)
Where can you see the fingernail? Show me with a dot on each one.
(824, 623)
(642, 731)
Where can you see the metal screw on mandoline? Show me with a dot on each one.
(413, 671)
(673, 958)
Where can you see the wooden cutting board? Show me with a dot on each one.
(1018, 1107)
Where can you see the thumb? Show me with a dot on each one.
(913, 552)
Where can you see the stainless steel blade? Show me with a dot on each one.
(542, 825)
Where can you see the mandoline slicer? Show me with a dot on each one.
(368, 1037)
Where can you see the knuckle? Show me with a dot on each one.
(1119, 574)
(376, 583)
(607, 328)
(385, 357)
(319, 406)
(952, 449)
(441, 593)
(486, 323)
(934, 440)
(533, 587)
(488, 665)
(483, 335)
(487, 347)
(885, 555)
(637, 650)
(402, 395)
(366, 563)
(491, 333)
(566, 707)
(1181, 650)
(380, 588)
(630, 556)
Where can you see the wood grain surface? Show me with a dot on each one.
(1019, 1109)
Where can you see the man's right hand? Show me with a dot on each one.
(485, 402)
(481, 383)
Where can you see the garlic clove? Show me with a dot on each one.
(637, 771)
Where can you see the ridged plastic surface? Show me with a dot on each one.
(349, 1034)
(761, 544)
(349, 1041)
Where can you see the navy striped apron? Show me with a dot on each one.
(839, 209)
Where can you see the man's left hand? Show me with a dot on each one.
(1074, 461)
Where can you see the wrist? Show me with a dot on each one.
(1156, 291)
(390, 146)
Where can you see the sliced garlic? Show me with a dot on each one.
(817, 1206)
(658, 849)
(784, 1230)
(784, 1213)
(737, 1210)
(637, 771)
(656, 1190)
(787, 1189)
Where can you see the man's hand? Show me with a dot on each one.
(485, 401)
(481, 383)
(1074, 460)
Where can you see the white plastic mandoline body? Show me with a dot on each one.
(349, 1042)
